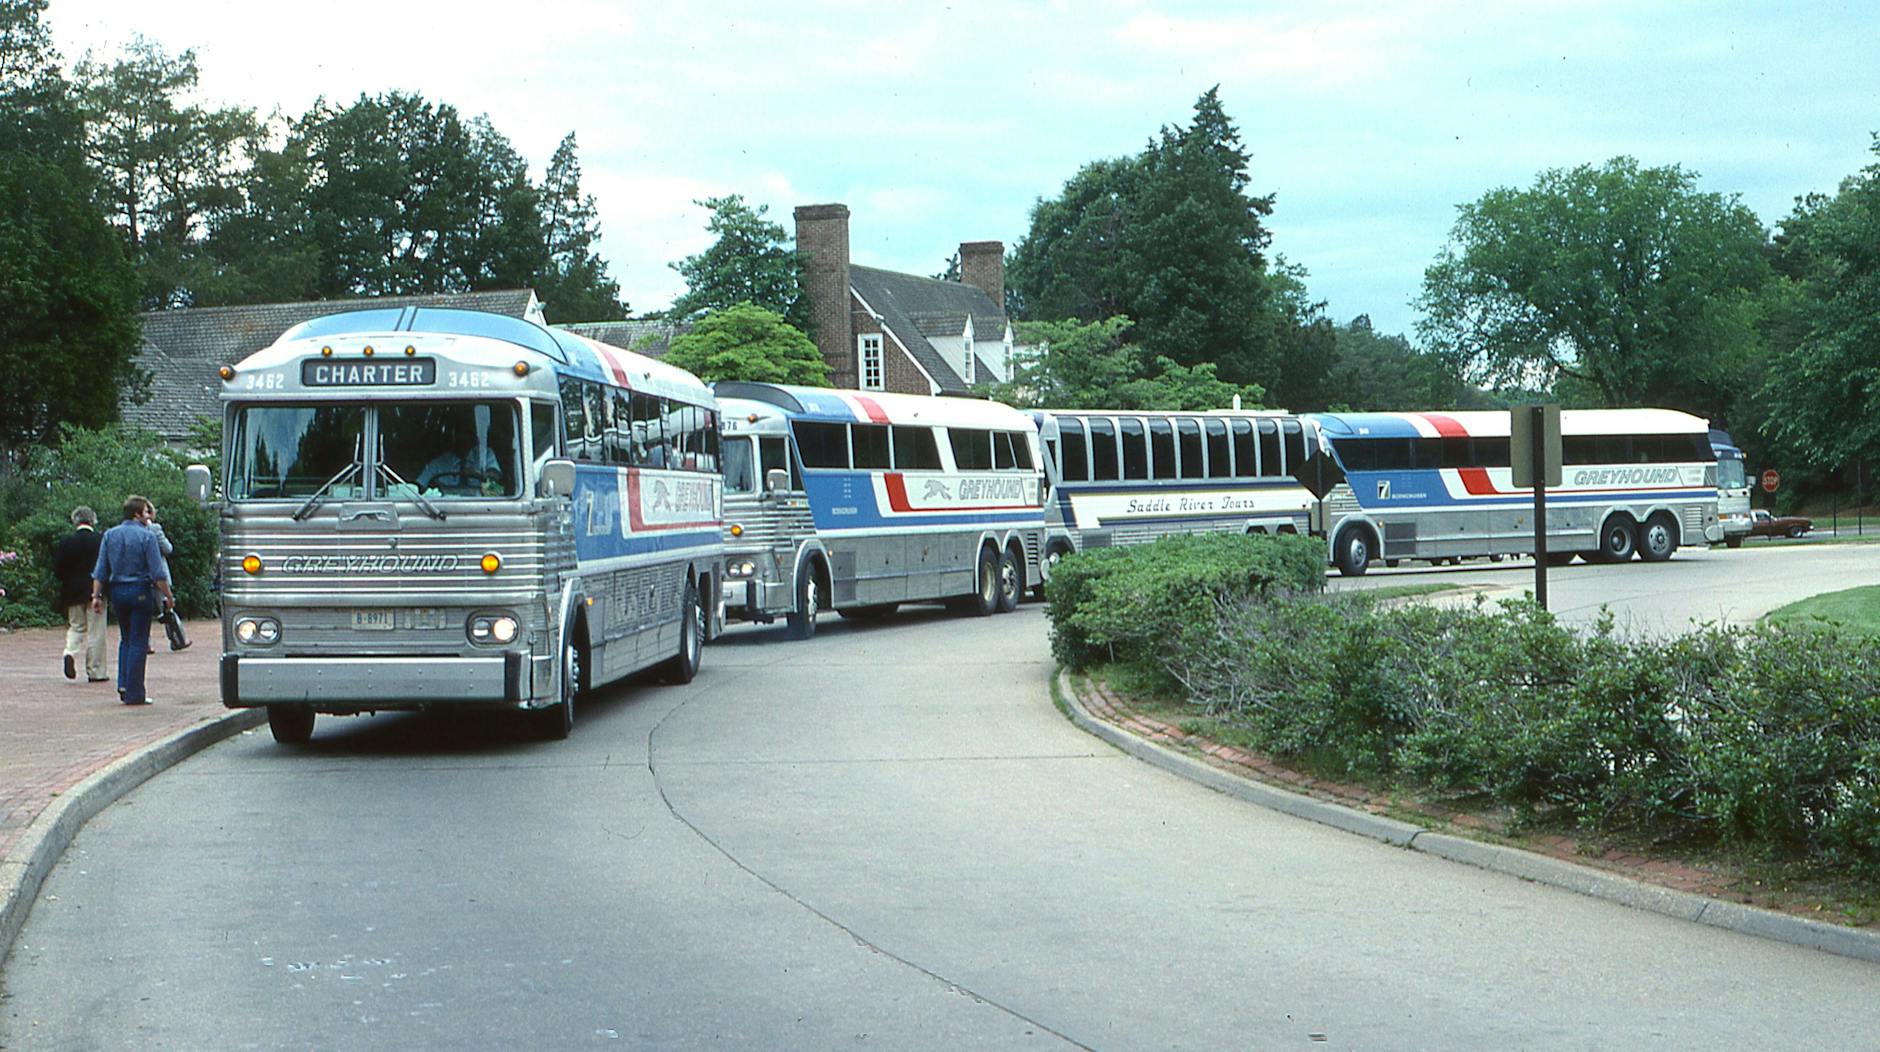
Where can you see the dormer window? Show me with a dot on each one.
(870, 348)
(967, 373)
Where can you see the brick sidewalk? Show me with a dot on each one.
(55, 732)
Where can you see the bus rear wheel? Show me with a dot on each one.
(291, 724)
(1659, 539)
(1354, 552)
(1011, 581)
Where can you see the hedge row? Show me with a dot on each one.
(1766, 738)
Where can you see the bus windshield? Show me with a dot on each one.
(450, 449)
(740, 465)
(290, 451)
(1730, 474)
(428, 449)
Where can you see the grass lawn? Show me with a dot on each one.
(1857, 608)
(1397, 591)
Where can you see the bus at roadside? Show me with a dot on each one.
(1732, 488)
(444, 509)
(858, 502)
(1129, 477)
(1437, 487)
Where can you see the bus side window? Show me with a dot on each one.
(1104, 463)
(915, 449)
(573, 418)
(1295, 444)
(1246, 461)
(1021, 451)
(1003, 458)
(871, 446)
(1269, 449)
(775, 453)
(1491, 453)
(822, 445)
(597, 422)
(1161, 448)
(1135, 449)
(542, 431)
(1188, 437)
(1075, 459)
(1220, 466)
(709, 463)
(972, 449)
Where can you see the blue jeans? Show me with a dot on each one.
(134, 607)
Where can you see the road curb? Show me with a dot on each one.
(1499, 858)
(44, 841)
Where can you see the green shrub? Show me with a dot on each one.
(1140, 604)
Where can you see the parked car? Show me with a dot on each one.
(1763, 524)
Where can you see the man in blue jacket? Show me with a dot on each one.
(131, 572)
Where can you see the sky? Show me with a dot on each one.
(944, 122)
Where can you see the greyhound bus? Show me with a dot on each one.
(859, 502)
(1122, 478)
(436, 509)
(1437, 486)
(1732, 488)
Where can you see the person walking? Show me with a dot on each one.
(131, 572)
(72, 563)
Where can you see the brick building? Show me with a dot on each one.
(880, 330)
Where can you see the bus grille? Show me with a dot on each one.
(767, 523)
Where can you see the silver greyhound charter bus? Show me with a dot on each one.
(860, 502)
(1121, 477)
(1437, 486)
(429, 508)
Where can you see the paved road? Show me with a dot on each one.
(884, 837)
(1717, 584)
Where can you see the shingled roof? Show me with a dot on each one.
(182, 348)
(649, 336)
(901, 298)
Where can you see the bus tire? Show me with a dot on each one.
(1011, 581)
(1052, 556)
(291, 724)
(986, 576)
(1733, 542)
(681, 667)
(1659, 538)
(801, 623)
(1354, 551)
(1618, 540)
(556, 722)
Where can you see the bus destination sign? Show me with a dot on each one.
(364, 372)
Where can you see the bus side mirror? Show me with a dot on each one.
(776, 480)
(196, 483)
(557, 479)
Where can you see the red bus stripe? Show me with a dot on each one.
(872, 408)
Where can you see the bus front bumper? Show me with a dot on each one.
(358, 684)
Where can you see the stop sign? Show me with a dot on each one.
(1770, 480)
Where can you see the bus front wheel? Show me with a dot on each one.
(557, 721)
(986, 599)
(1354, 552)
(1618, 540)
(291, 724)
(802, 621)
(681, 667)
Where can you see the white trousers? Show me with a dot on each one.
(84, 634)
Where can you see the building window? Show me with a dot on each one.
(968, 372)
(871, 361)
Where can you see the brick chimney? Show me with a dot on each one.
(982, 265)
(822, 241)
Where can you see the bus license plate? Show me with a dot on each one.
(372, 620)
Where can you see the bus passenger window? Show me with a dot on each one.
(618, 428)
(597, 421)
(708, 441)
(1104, 465)
(1135, 449)
(915, 449)
(1295, 444)
(1219, 464)
(972, 450)
(647, 447)
(871, 445)
(1021, 451)
(1269, 449)
(1491, 453)
(574, 418)
(822, 445)
(1074, 464)
(1188, 437)
(1161, 448)
(1246, 463)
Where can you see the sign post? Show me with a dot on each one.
(1534, 459)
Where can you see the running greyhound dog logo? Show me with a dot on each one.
(937, 488)
(662, 496)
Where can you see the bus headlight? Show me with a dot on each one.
(741, 568)
(257, 631)
(494, 628)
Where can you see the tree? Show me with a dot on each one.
(1383, 371)
(748, 342)
(1824, 394)
(263, 251)
(1627, 280)
(1079, 365)
(573, 284)
(1170, 238)
(751, 262)
(70, 330)
(169, 170)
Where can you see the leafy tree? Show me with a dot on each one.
(573, 284)
(70, 330)
(263, 251)
(1383, 371)
(748, 342)
(751, 262)
(168, 169)
(1824, 395)
(1078, 365)
(952, 269)
(1171, 238)
(1628, 280)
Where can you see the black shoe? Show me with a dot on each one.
(71, 668)
(96, 679)
(144, 701)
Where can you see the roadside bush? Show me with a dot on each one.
(1139, 604)
(100, 469)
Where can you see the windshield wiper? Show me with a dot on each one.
(417, 498)
(345, 473)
